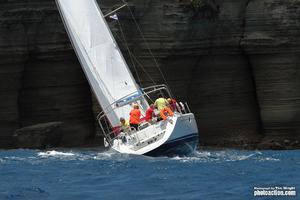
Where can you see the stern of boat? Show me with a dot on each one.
(183, 139)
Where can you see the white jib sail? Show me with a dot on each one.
(100, 57)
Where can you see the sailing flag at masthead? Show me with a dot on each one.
(115, 17)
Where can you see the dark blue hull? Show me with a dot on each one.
(180, 147)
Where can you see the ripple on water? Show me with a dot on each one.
(28, 193)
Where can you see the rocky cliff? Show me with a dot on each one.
(235, 61)
(41, 80)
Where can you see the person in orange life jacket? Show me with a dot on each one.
(172, 104)
(150, 113)
(135, 117)
(165, 113)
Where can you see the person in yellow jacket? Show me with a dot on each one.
(124, 125)
(161, 103)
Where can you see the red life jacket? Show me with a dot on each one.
(173, 105)
(149, 114)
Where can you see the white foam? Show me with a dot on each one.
(55, 154)
(14, 158)
(112, 155)
(103, 156)
(79, 156)
(219, 156)
(239, 157)
(269, 159)
(203, 156)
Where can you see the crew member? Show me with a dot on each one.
(161, 102)
(173, 104)
(150, 113)
(135, 117)
(166, 112)
(124, 125)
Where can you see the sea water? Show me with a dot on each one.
(95, 174)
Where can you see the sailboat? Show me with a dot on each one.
(116, 89)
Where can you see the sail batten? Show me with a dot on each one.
(99, 55)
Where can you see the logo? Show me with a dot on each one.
(274, 191)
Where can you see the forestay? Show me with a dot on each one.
(100, 57)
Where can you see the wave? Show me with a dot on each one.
(82, 155)
(225, 156)
(55, 154)
(269, 159)
(35, 157)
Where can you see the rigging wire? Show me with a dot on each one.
(127, 47)
(137, 61)
(147, 44)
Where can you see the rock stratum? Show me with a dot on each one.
(235, 61)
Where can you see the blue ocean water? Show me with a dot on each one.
(91, 174)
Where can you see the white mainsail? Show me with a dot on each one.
(100, 57)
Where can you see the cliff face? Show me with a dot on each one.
(235, 62)
(41, 80)
(272, 45)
